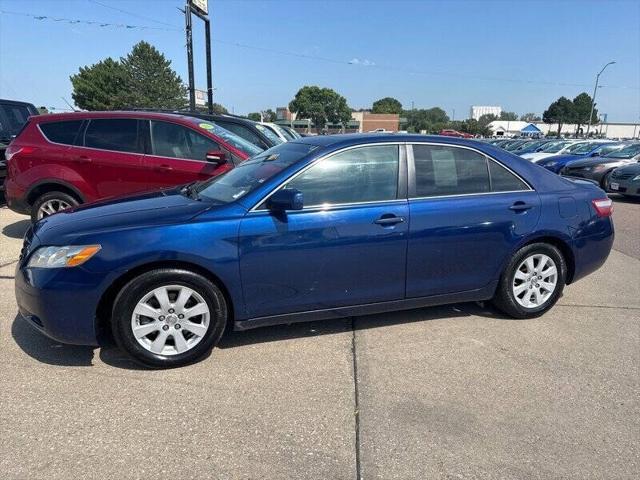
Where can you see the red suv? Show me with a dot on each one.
(61, 160)
(455, 133)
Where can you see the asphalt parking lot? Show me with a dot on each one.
(439, 393)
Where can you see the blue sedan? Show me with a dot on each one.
(317, 228)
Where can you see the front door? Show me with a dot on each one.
(467, 212)
(347, 246)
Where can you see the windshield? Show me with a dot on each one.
(252, 173)
(554, 147)
(270, 134)
(285, 131)
(581, 148)
(532, 145)
(626, 152)
(229, 137)
(606, 149)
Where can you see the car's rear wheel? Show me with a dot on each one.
(168, 317)
(50, 203)
(532, 282)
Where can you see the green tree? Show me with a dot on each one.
(387, 105)
(581, 110)
(431, 119)
(255, 116)
(321, 105)
(560, 112)
(100, 86)
(530, 117)
(510, 116)
(483, 124)
(269, 115)
(150, 81)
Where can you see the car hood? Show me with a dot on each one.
(562, 158)
(155, 208)
(633, 168)
(590, 161)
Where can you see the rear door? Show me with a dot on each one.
(109, 157)
(467, 212)
(177, 155)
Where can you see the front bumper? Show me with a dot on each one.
(61, 303)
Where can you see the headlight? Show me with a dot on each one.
(636, 178)
(58, 257)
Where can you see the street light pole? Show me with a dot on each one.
(593, 99)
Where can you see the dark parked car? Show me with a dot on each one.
(62, 160)
(625, 180)
(254, 132)
(13, 116)
(598, 169)
(312, 229)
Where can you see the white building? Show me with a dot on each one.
(478, 111)
(516, 128)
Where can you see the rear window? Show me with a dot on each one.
(61, 132)
(118, 134)
(15, 116)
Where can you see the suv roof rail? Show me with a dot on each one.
(181, 112)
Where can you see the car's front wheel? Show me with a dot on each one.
(168, 317)
(532, 282)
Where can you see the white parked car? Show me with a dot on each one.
(560, 147)
(280, 133)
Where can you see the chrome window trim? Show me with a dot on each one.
(331, 205)
(487, 156)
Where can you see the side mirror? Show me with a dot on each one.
(595, 154)
(217, 156)
(285, 200)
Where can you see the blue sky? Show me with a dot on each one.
(518, 54)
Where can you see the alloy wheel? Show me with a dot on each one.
(535, 280)
(52, 206)
(170, 320)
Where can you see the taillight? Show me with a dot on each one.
(603, 206)
(12, 151)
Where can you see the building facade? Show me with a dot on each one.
(477, 111)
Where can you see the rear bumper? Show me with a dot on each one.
(592, 251)
(15, 198)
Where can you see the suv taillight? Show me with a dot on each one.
(603, 206)
(12, 151)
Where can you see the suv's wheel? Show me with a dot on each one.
(532, 282)
(168, 317)
(50, 203)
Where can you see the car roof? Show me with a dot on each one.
(348, 139)
(112, 114)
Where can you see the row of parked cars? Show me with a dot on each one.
(613, 165)
(62, 160)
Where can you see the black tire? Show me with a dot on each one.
(504, 298)
(48, 197)
(136, 289)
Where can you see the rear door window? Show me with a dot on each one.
(444, 170)
(117, 134)
(177, 141)
(61, 132)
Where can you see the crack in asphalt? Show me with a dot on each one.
(355, 395)
(614, 307)
(8, 263)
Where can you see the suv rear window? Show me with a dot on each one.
(61, 132)
(118, 134)
(16, 116)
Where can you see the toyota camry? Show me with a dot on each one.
(316, 228)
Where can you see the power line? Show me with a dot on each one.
(131, 13)
(95, 23)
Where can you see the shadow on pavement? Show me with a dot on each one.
(616, 197)
(48, 351)
(17, 229)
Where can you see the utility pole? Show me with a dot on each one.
(593, 99)
(188, 30)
